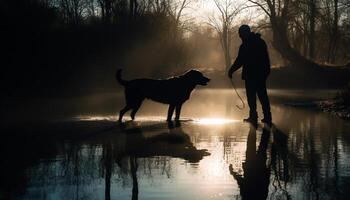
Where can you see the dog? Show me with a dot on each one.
(173, 91)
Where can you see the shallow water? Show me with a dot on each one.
(210, 154)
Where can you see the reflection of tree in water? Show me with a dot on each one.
(280, 164)
(255, 181)
(18, 151)
(314, 156)
(306, 156)
(43, 162)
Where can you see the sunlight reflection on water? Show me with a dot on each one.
(215, 121)
(203, 121)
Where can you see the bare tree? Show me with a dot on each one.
(312, 26)
(282, 14)
(222, 23)
(176, 9)
(330, 21)
(72, 10)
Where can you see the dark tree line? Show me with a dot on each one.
(309, 33)
(52, 44)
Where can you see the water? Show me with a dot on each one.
(211, 154)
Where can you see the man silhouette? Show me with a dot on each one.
(254, 58)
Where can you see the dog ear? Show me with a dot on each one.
(179, 73)
(185, 73)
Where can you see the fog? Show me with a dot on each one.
(55, 48)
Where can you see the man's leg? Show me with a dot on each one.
(250, 87)
(264, 100)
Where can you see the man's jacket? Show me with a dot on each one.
(254, 58)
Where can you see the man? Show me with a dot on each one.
(254, 58)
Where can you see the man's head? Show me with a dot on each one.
(244, 31)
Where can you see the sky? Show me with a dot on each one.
(200, 10)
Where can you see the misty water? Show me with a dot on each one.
(79, 151)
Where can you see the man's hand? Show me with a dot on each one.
(230, 72)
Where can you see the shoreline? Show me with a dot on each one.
(335, 107)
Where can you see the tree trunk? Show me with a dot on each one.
(131, 9)
(311, 38)
(279, 26)
(334, 34)
(281, 43)
(226, 46)
(103, 10)
(108, 11)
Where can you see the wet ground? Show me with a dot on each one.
(74, 149)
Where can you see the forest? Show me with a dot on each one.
(65, 47)
(282, 134)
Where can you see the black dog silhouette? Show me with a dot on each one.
(173, 91)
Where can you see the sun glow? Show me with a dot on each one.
(214, 121)
(204, 121)
(95, 118)
(115, 118)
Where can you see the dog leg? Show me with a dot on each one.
(134, 110)
(178, 112)
(123, 111)
(170, 112)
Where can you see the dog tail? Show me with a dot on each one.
(118, 76)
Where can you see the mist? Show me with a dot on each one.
(69, 47)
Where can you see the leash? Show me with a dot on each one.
(240, 98)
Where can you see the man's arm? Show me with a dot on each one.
(237, 64)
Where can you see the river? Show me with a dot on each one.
(73, 148)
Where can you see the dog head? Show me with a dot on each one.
(197, 77)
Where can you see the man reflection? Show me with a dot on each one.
(255, 182)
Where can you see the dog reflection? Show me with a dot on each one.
(174, 143)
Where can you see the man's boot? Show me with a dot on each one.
(253, 118)
(267, 118)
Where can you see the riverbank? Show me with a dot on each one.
(335, 107)
(339, 106)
